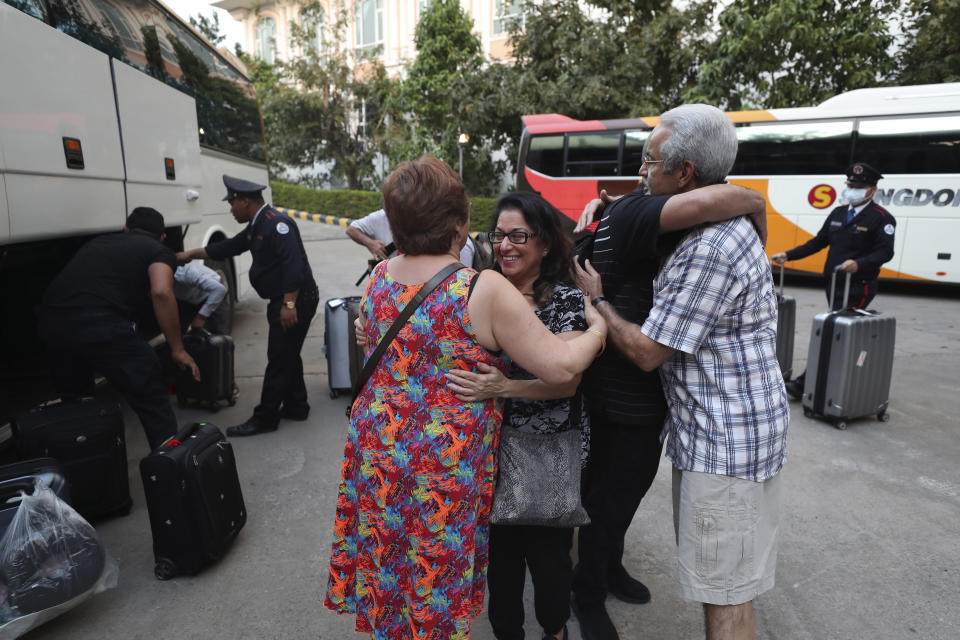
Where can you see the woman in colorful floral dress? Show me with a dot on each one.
(409, 554)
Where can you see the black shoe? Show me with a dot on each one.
(629, 589)
(795, 387)
(595, 623)
(295, 413)
(250, 428)
(565, 636)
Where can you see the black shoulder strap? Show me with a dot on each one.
(394, 329)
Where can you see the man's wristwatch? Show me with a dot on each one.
(598, 300)
(290, 304)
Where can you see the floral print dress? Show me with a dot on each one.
(410, 542)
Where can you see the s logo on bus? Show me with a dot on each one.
(822, 196)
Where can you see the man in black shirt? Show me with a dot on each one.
(280, 273)
(87, 314)
(627, 406)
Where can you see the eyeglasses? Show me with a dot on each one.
(515, 237)
(647, 161)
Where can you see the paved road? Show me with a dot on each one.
(869, 545)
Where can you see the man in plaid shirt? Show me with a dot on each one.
(712, 332)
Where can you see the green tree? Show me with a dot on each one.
(439, 99)
(209, 28)
(932, 54)
(321, 109)
(791, 53)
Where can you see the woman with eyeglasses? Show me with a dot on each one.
(534, 253)
(409, 556)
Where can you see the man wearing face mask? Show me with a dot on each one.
(860, 235)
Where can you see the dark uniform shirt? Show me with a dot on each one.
(108, 274)
(868, 239)
(626, 252)
(279, 260)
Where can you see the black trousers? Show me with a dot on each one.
(546, 551)
(283, 379)
(80, 346)
(623, 463)
(861, 293)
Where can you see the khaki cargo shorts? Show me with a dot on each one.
(727, 530)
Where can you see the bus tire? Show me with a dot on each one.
(221, 321)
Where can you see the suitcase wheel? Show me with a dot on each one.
(807, 412)
(334, 393)
(164, 569)
(883, 416)
(841, 424)
(231, 402)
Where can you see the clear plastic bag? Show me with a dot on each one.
(51, 560)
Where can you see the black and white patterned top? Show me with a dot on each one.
(562, 313)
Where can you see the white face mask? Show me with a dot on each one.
(855, 197)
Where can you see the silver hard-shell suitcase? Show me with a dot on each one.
(344, 357)
(849, 364)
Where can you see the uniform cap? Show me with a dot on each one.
(240, 188)
(862, 173)
(147, 219)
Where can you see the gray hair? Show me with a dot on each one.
(705, 136)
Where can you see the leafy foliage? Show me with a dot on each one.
(791, 53)
(933, 55)
(311, 105)
(209, 28)
(439, 99)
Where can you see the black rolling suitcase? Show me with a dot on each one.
(194, 499)
(344, 357)
(214, 357)
(87, 438)
(786, 328)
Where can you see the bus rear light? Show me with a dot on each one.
(170, 169)
(73, 153)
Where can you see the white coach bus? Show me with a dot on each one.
(107, 105)
(796, 158)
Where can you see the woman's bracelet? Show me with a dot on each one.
(603, 341)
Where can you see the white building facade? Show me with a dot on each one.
(384, 25)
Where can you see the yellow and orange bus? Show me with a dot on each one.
(796, 158)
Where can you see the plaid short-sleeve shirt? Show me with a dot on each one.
(715, 304)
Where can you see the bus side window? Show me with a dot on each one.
(546, 154)
(793, 149)
(633, 142)
(593, 154)
(910, 145)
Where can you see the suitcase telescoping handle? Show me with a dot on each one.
(782, 270)
(833, 288)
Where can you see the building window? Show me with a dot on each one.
(368, 15)
(267, 40)
(507, 11)
(314, 22)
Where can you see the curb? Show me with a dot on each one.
(314, 217)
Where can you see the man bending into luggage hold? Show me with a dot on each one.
(860, 236)
(712, 332)
(280, 273)
(87, 321)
